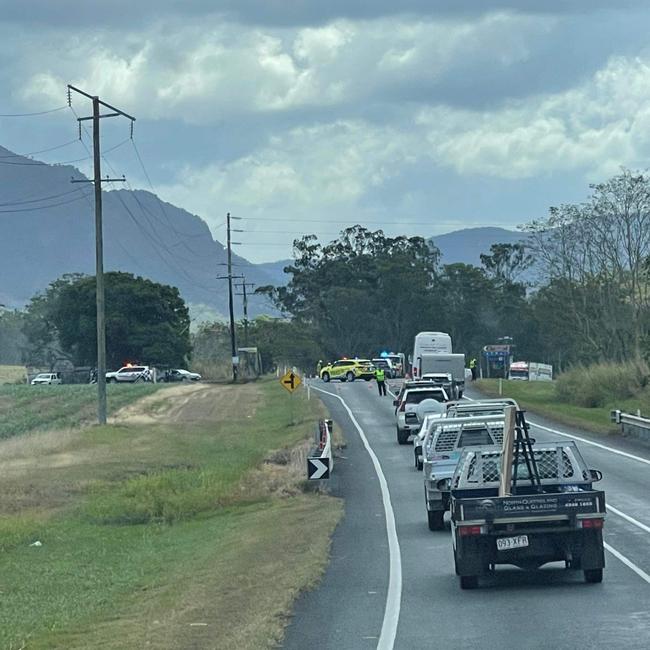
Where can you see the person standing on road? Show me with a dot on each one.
(319, 367)
(472, 367)
(380, 376)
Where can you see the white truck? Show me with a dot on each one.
(530, 371)
(428, 343)
(449, 364)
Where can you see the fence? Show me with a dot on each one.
(634, 426)
(320, 462)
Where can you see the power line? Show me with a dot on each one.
(60, 162)
(31, 199)
(42, 207)
(33, 153)
(51, 110)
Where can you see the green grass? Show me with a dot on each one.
(28, 408)
(159, 530)
(540, 397)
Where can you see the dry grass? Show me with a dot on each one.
(241, 547)
(13, 374)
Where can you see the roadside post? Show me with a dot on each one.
(320, 461)
(291, 381)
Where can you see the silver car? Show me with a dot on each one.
(442, 448)
(408, 422)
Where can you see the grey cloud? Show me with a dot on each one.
(128, 14)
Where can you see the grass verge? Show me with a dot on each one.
(540, 397)
(12, 374)
(168, 531)
(28, 408)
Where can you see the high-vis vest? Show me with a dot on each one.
(379, 374)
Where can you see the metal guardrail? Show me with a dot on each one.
(320, 462)
(632, 425)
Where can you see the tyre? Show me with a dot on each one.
(420, 464)
(593, 575)
(111, 380)
(468, 582)
(326, 377)
(460, 394)
(367, 378)
(349, 375)
(402, 436)
(436, 519)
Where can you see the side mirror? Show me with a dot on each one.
(395, 402)
(595, 474)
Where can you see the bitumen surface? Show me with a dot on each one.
(548, 608)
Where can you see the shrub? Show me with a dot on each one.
(599, 384)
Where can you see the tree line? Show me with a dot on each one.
(576, 289)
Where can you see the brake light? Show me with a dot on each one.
(467, 531)
(594, 524)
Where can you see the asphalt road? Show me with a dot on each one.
(384, 591)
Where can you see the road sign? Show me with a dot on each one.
(290, 381)
(318, 468)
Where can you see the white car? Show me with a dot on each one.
(178, 374)
(408, 422)
(46, 378)
(129, 374)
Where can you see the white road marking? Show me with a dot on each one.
(394, 596)
(628, 563)
(632, 520)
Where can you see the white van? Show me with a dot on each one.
(428, 343)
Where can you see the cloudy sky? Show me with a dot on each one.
(419, 116)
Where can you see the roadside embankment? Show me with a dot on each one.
(572, 400)
(183, 523)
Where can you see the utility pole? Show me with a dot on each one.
(242, 285)
(99, 238)
(231, 306)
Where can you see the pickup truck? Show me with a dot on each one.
(559, 518)
(442, 448)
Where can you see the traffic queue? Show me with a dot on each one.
(507, 498)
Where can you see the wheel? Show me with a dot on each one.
(593, 575)
(420, 464)
(326, 377)
(349, 375)
(184, 380)
(367, 378)
(402, 436)
(436, 519)
(460, 394)
(468, 582)
(110, 380)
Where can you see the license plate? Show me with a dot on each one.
(506, 543)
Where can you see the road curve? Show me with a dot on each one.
(550, 608)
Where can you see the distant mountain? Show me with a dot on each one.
(275, 270)
(467, 245)
(47, 229)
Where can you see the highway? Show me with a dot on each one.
(390, 582)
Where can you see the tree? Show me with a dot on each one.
(146, 322)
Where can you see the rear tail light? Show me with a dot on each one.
(594, 524)
(470, 531)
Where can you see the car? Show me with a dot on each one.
(178, 374)
(129, 374)
(441, 451)
(46, 379)
(407, 420)
(348, 370)
(386, 365)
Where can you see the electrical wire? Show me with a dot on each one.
(51, 110)
(62, 162)
(34, 153)
(39, 199)
(42, 207)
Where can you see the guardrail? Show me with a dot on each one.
(320, 462)
(632, 425)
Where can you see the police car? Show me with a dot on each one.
(348, 370)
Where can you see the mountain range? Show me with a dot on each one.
(47, 229)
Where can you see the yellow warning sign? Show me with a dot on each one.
(291, 381)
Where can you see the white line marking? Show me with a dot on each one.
(628, 563)
(394, 595)
(632, 520)
(585, 440)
